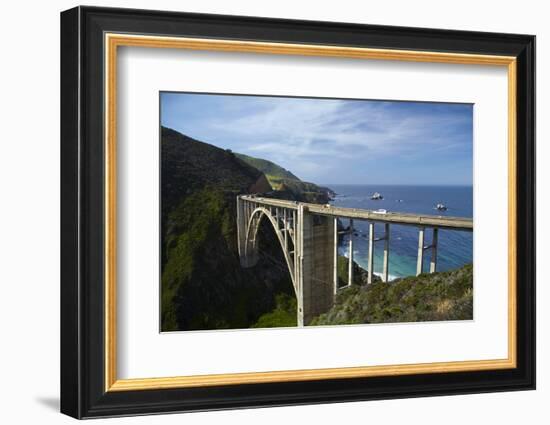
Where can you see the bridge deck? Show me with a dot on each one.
(311, 247)
(443, 222)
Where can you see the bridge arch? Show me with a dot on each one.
(286, 242)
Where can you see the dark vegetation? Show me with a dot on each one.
(428, 297)
(203, 285)
(284, 314)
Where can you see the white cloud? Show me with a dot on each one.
(320, 139)
(333, 128)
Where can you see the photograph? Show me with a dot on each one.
(282, 212)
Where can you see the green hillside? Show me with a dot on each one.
(428, 297)
(286, 185)
(274, 173)
(203, 285)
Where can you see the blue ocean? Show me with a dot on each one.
(455, 248)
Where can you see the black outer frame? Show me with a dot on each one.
(82, 219)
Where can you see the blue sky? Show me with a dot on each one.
(335, 141)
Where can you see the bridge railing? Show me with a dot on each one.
(422, 221)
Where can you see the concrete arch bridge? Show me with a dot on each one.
(308, 235)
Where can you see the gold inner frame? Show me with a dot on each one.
(113, 41)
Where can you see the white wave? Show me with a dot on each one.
(390, 276)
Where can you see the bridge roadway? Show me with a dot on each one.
(308, 235)
(439, 221)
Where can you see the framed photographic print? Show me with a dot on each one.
(261, 212)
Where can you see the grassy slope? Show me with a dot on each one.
(285, 184)
(428, 297)
(272, 171)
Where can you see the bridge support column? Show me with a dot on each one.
(316, 264)
(385, 266)
(299, 264)
(335, 255)
(241, 228)
(433, 259)
(420, 258)
(370, 264)
(350, 255)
